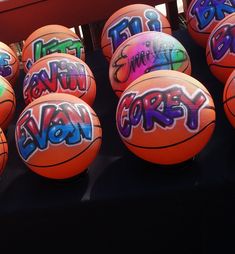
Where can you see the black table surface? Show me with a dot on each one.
(122, 200)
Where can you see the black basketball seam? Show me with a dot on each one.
(163, 76)
(9, 113)
(187, 65)
(106, 45)
(2, 142)
(74, 36)
(3, 153)
(77, 155)
(227, 87)
(167, 146)
(223, 66)
(94, 114)
(230, 111)
(10, 63)
(97, 126)
(199, 32)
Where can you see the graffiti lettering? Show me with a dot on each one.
(64, 123)
(63, 75)
(127, 27)
(41, 49)
(154, 55)
(207, 10)
(5, 68)
(222, 41)
(159, 108)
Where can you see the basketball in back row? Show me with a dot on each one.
(128, 21)
(59, 73)
(146, 52)
(9, 64)
(51, 39)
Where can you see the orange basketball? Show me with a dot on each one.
(7, 103)
(58, 135)
(229, 98)
(9, 64)
(202, 16)
(59, 73)
(146, 52)
(3, 151)
(128, 21)
(165, 117)
(220, 51)
(51, 39)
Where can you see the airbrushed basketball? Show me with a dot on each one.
(202, 16)
(7, 103)
(220, 51)
(229, 99)
(146, 52)
(3, 151)
(51, 39)
(165, 117)
(9, 63)
(58, 136)
(128, 21)
(59, 73)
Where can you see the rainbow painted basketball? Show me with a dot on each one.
(220, 51)
(146, 52)
(229, 99)
(128, 21)
(3, 151)
(165, 117)
(59, 73)
(9, 63)
(202, 17)
(7, 103)
(58, 135)
(51, 39)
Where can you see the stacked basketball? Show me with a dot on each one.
(58, 134)
(211, 25)
(163, 116)
(9, 69)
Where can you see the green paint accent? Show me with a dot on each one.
(2, 89)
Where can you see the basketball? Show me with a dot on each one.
(9, 64)
(128, 21)
(146, 52)
(165, 117)
(229, 99)
(3, 151)
(59, 73)
(58, 136)
(7, 103)
(202, 16)
(51, 39)
(220, 51)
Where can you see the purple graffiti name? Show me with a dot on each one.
(159, 107)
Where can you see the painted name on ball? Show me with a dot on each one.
(159, 107)
(65, 123)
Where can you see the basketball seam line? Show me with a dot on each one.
(163, 147)
(77, 155)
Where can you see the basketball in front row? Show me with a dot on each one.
(165, 117)
(58, 135)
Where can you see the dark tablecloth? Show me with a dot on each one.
(122, 202)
